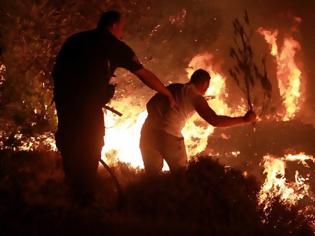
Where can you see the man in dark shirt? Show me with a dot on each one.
(82, 72)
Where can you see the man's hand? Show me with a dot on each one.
(149, 79)
(250, 116)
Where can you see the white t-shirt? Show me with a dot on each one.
(172, 120)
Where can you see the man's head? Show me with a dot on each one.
(201, 79)
(113, 22)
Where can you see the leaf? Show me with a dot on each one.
(246, 18)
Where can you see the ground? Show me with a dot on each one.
(207, 199)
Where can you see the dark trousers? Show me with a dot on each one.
(80, 138)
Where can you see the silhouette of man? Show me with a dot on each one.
(81, 74)
(161, 136)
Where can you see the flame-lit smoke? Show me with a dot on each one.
(288, 73)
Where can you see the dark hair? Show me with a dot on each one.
(200, 76)
(108, 18)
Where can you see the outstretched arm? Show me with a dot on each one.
(212, 118)
(149, 79)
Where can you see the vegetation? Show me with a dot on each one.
(32, 32)
(207, 199)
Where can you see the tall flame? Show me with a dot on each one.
(288, 73)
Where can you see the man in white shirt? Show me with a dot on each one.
(161, 136)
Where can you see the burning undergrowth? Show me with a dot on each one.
(208, 198)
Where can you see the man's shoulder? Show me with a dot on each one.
(82, 35)
(79, 38)
(119, 44)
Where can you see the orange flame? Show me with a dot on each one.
(122, 134)
(288, 73)
(2, 73)
(276, 185)
(122, 140)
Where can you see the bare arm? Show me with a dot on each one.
(212, 118)
(149, 79)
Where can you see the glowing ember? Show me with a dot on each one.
(2, 72)
(300, 158)
(276, 185)
(44, 141)
(288, 73)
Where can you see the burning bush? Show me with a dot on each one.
(212, 199)
(208, 198)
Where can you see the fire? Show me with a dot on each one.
(122, 134)
(45, 141)
(300, 158)
(288, 74)
(2, 73)
(276, 184)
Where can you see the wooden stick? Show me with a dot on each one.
(113, 110)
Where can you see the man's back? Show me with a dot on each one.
(162, 117)
(85, 65)
(80, 67)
